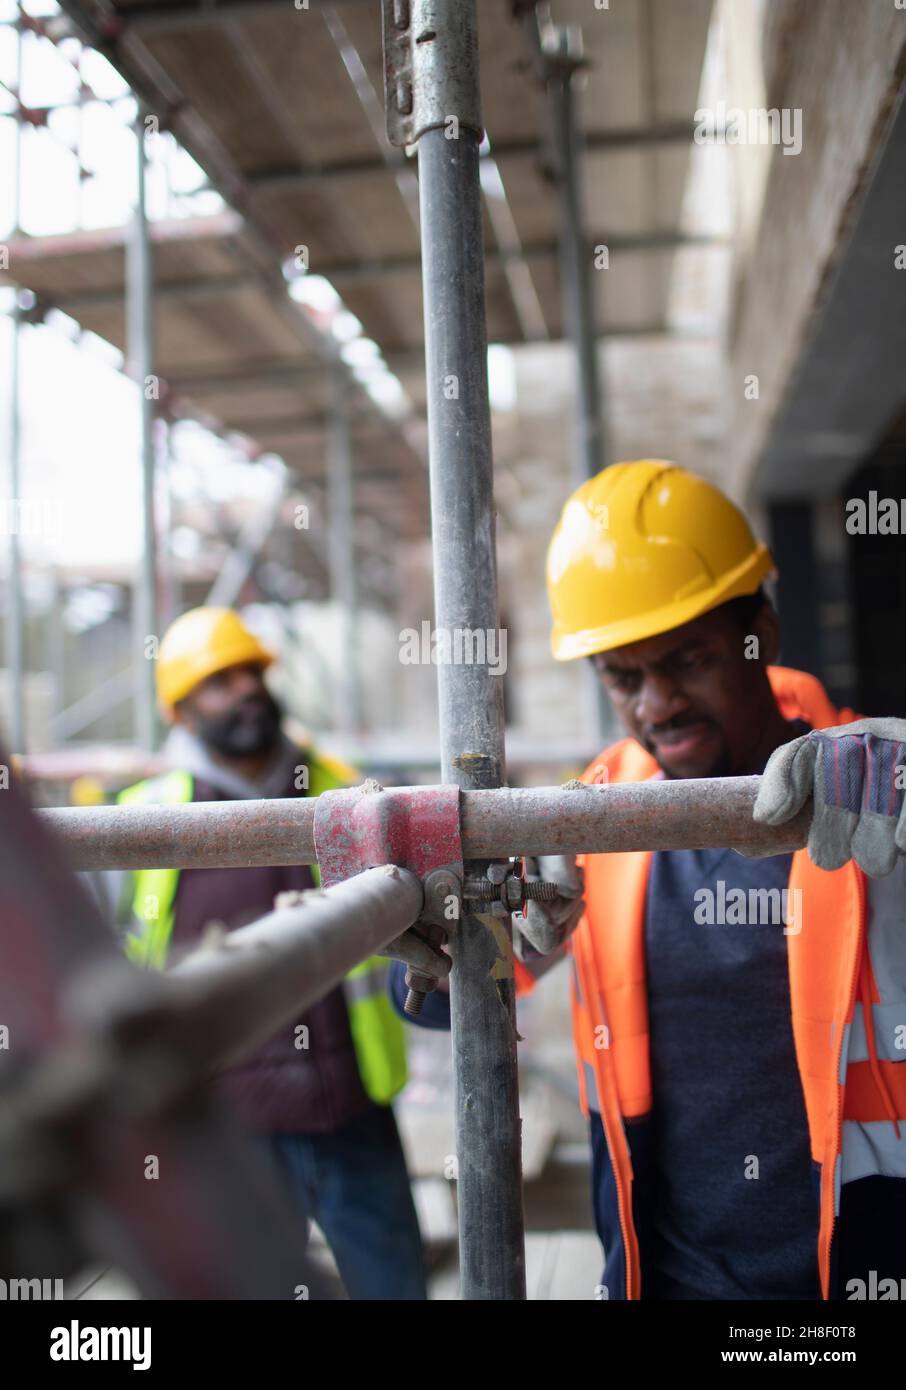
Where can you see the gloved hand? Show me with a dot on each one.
(547, 925)
(856, 774)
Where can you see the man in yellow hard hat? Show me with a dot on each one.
(735, 1018)
(739, 1023)
(320, 1091)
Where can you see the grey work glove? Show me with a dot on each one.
(547, 925)
(856, 774)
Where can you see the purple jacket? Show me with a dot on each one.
(280, 1089)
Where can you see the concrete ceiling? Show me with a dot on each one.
(283, 108)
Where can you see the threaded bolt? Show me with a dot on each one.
(482, 890)
(540, 890)
(419, 986)
(414, 1000)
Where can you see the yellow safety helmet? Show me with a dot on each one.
(86, 790)
(197, 644)
(642, 548)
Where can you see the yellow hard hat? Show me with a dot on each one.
(642, 548)
(197, 644)
(86, 791)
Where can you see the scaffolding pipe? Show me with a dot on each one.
(234, 995)
(589, 454)
(114, 1058)
(341, 551)
(169, 1031)
(100, 700)
(15, 619)
(245, 551)
(227, 998)
(150, 18)
(710, 813)
(140, 328)
(171, 604)
(482, 986)
(55, 641)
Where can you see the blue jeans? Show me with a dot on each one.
(354, 1183)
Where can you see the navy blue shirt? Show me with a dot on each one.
(735, 1213)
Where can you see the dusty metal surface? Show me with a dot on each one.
(229, 997)
(690, 814)
(470, 696)
(361, 826)
(426, 80)
(417, 827)
(200, 835)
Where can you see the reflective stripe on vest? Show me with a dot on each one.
(610, 1007)
(377, 1030)
(378, 1034)
(154, 890)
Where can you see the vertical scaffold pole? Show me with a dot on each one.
(590, 453)
(15, 604)
(560, 59)
(140, 328)
(341, 551)
(431, 56)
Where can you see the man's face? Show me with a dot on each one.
(233, 712)
(691, 697)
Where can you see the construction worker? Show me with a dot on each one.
(321, 1089)
(739, 1022)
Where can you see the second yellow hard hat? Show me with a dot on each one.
(641, 548)
(197, 644)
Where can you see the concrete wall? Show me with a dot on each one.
(842, 65)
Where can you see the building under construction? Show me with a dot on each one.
(510, 382)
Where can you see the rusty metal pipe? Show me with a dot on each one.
(693, 814)
(228, 996)
(488, 1140)
(198, 835)
(234, 995)
(689, 814)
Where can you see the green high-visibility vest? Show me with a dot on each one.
(377, 1031)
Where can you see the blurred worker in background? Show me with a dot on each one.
(321, 1089)
(739, 1022)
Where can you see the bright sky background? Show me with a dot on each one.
(79, 413)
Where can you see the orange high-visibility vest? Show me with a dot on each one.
(835, 999)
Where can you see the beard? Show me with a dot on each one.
(250, 728)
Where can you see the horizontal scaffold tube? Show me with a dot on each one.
(233, 994)
(687, 814)
(218, 1004)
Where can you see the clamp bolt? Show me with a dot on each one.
(514, 892)
(419, 987)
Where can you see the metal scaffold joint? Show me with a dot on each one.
(430, 59)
